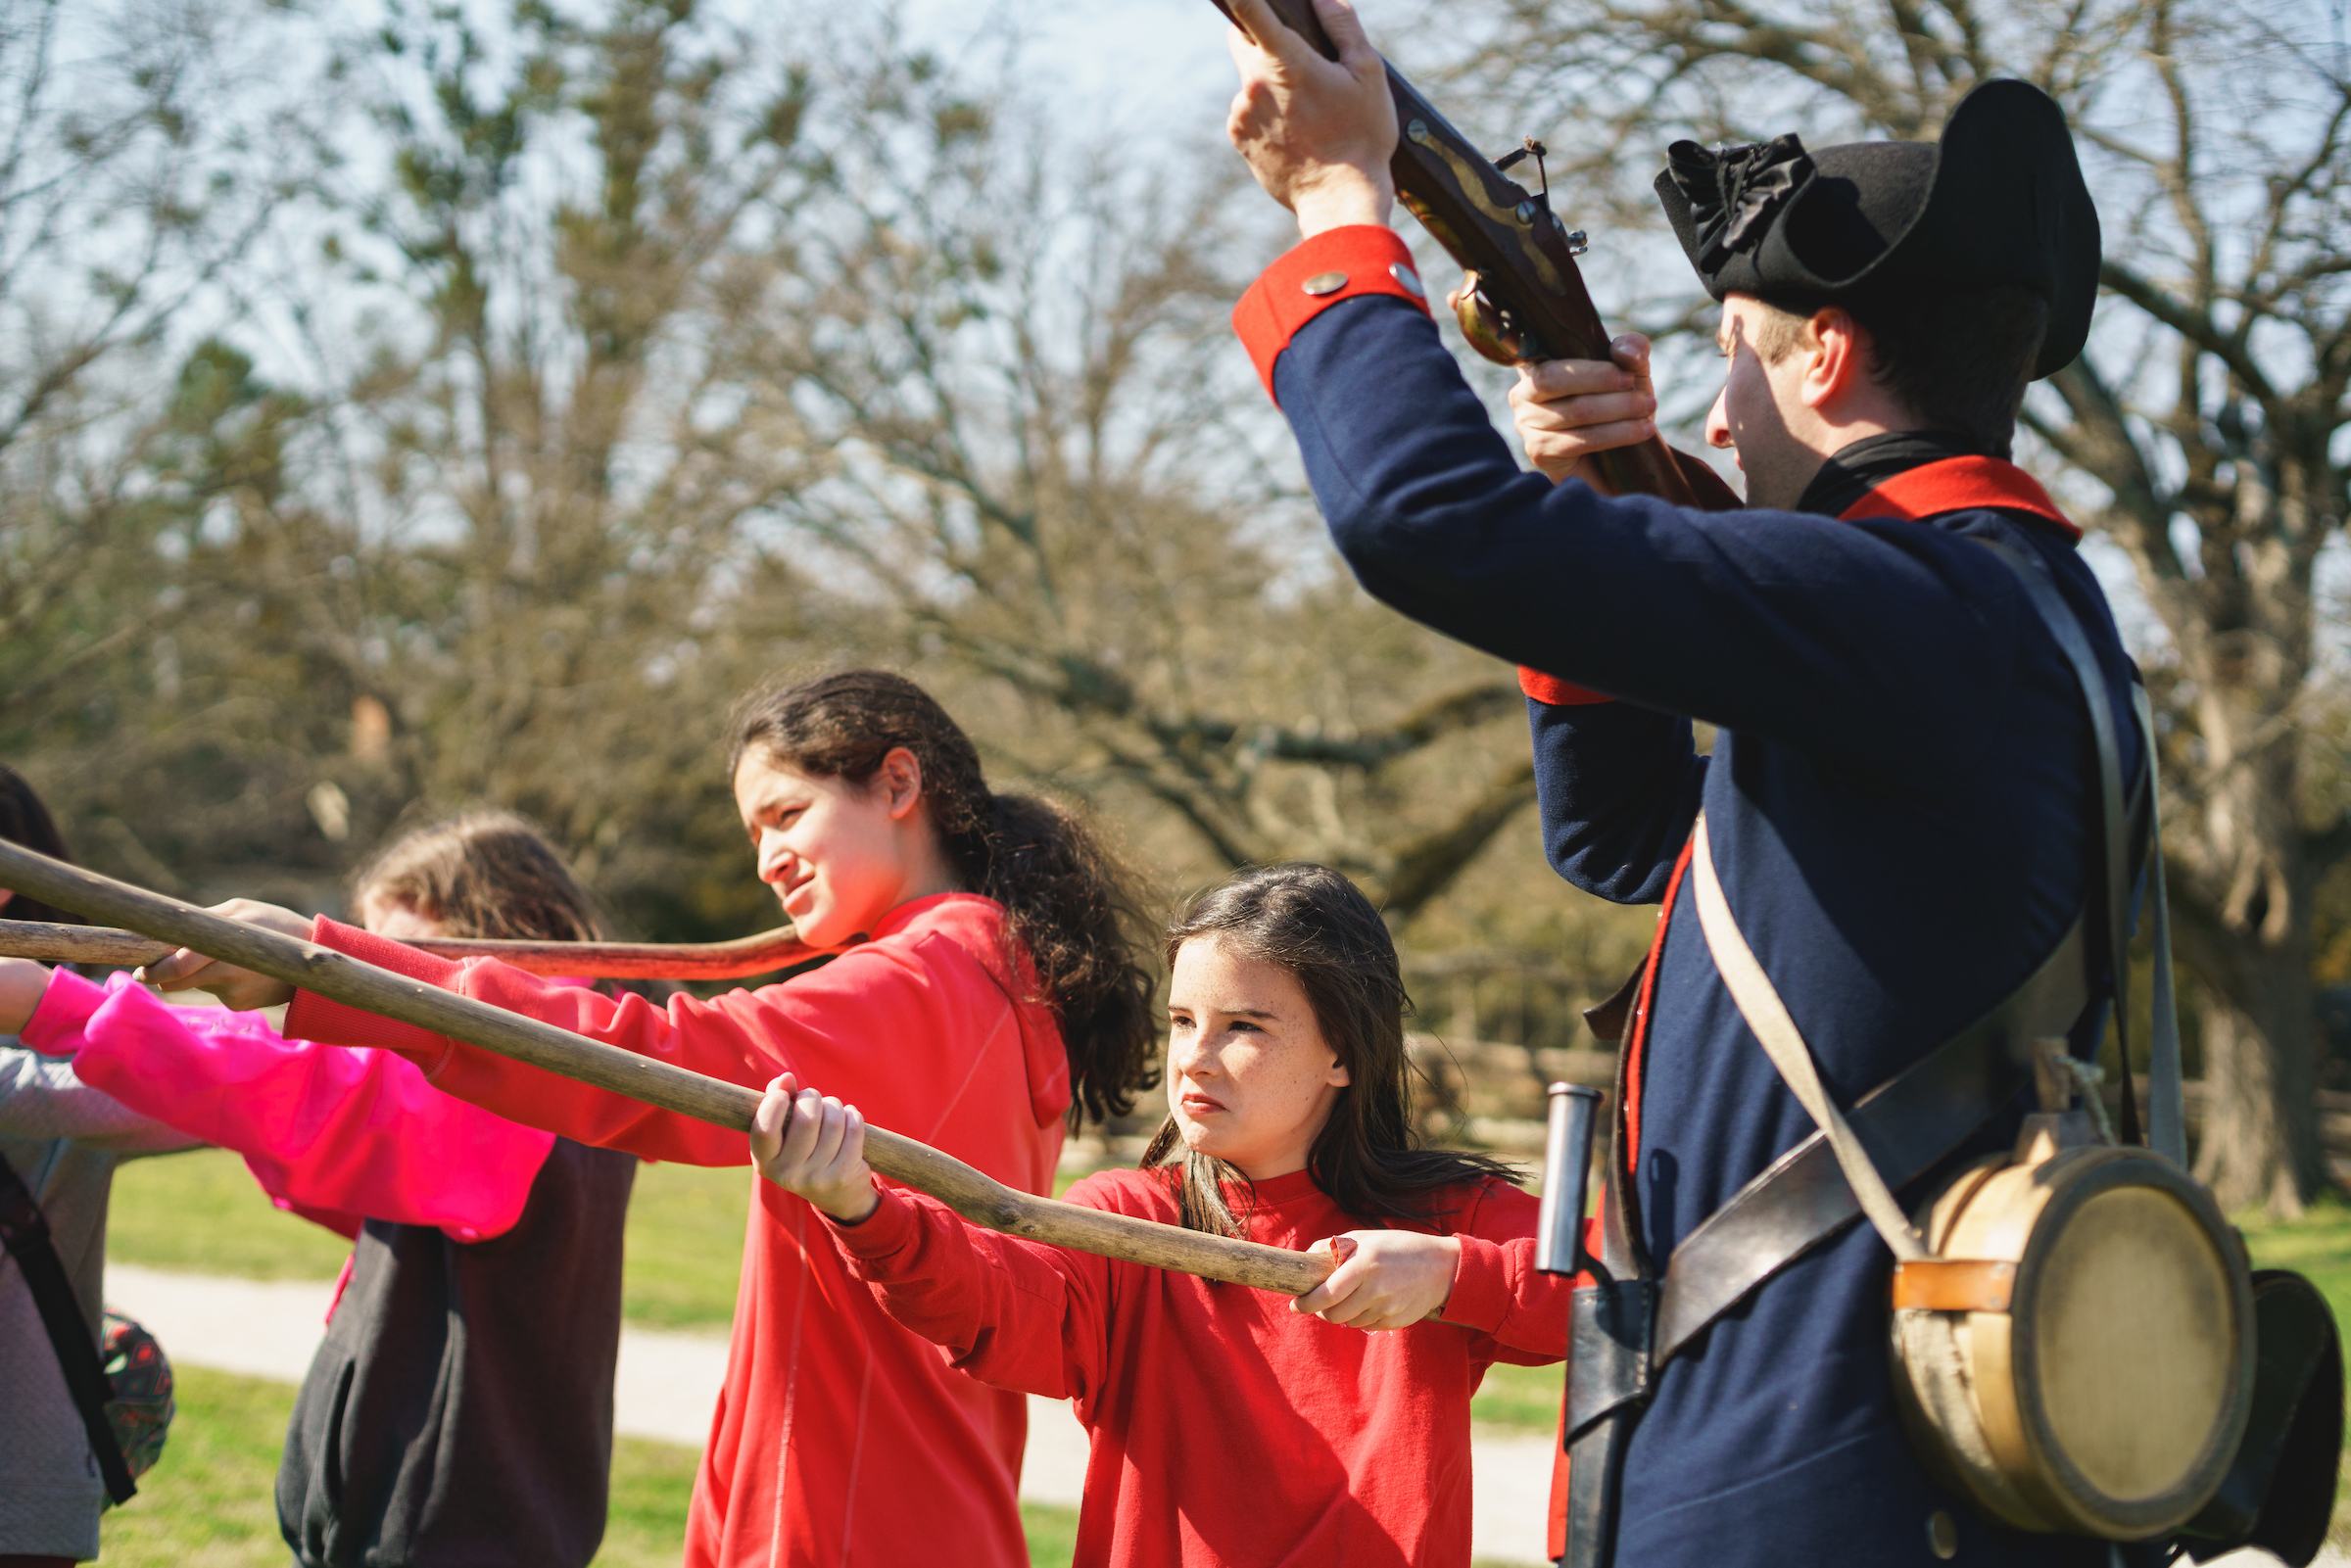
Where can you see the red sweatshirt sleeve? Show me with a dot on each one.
(1520, 1312)
(884, 1026)
(1016, 1313)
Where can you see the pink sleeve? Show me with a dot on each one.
(332, 1133)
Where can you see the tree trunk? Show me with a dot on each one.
(2259, 1146)
(2244, 894)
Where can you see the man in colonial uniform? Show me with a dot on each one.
(1903, 798)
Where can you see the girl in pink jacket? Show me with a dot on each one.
(461, 1408)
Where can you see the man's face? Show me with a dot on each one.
(1758, 405)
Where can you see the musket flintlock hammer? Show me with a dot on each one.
(339, 978)
(1524, 297)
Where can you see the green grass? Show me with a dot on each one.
(209, 1500)
(2318, 1245)
(1052, 1534)
(685, 1246)
(1523, 1398)
(202, 1212)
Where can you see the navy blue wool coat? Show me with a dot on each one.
(1902, 799)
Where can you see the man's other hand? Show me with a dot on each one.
(1316, 134)
(1568, 409)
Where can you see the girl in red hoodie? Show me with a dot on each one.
(1229, 1426)
(985, 986)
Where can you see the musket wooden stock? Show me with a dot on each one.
(1509, 236)
(342, 978)
(762, 954)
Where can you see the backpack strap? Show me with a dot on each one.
(25, 1231)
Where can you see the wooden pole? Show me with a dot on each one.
(308, 967)
(762, 954)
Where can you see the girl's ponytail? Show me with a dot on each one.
(1068, 901)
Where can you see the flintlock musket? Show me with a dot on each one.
(1524, 297)
(762, 954)
(340, 977)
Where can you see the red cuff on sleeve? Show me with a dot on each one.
(64, 1010)
(1335, 264)
(1555, 692)
(1481, 1286)
(890, 1227)
(313, 1017)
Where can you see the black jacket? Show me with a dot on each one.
(459, 1412)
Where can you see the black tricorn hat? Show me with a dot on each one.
(1998, 200)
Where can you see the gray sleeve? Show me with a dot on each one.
(42, 1098)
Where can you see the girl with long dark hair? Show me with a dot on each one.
(985, 988)
(1229, 1426)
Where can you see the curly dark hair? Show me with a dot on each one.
(1068, 902)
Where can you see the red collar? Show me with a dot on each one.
(1957, 484)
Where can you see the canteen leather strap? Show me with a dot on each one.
(2167, 1121)
(1953, 1285)
(1909, 1125)
(2114, 839)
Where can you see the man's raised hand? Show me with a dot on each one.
(1568, 409)
(813, 1145)
(1316, 134)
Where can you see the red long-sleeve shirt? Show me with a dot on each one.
(1226, 1427)
(841, 1438)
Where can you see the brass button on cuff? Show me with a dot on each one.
(1408, 279)
(1323, 283)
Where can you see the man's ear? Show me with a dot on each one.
(1836, 351)
(5, 894)
(901, 781)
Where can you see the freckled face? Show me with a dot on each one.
(829, 848)
(1250, 1078)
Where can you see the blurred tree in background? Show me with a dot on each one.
(603, 363)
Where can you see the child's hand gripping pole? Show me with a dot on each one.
(339, 978)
